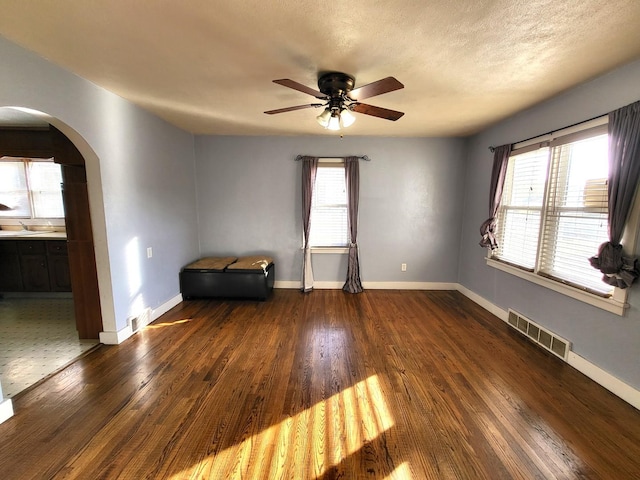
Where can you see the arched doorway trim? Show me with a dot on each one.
(97, 211)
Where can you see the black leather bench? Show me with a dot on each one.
(228, 277)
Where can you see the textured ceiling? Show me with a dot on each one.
(206, 66)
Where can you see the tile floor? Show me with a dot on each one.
(37, 336)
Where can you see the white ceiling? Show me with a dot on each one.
(207, 66)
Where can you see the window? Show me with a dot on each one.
(329, 207)
(30, 188)
(553, 215)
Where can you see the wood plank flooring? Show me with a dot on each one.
(327, 385)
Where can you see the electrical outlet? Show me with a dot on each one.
(403, 267)
(149, 252)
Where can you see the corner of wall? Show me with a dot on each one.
(6, 409)
(117, 337)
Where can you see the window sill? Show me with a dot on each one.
(330, 250)
(613, 304)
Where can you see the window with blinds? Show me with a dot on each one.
(521, 210)
(14, 193)
(553, 215)
(30, 188)
(329, 207)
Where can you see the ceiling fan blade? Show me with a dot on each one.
(291, 109)
(376, 111)
(385, 85)
(285, 82)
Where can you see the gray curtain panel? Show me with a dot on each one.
(309, 170)
(352, 176)
(624, 172)
(498, 173)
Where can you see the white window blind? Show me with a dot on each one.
(329, 207)
(30, 188)
(554, 209)
(14, 193)
(576, 216)
(45, 179)
(521, 209)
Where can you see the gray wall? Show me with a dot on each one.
(141, 180)
(410, 203)
(609, 341)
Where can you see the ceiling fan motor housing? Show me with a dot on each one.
(335, 84)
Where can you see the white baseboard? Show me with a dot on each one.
(116, 338)
(484, 303)
(316, 285)
(332, 285)
(327, 285)
(287, 285)
(616, 386)
(6, 409)
(409, 286)
(608, 381)
(164, 308)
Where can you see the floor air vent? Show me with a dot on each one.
(141, 320)
(546, 339)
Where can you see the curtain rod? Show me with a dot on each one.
(492, 148)
(361, 157)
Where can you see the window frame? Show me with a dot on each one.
(327, 162)
(31, 218)
(617, 302)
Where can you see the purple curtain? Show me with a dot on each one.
(309, 170)
(352, 177)
(624, 173)
(487, 229)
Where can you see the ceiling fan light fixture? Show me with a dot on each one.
(323, 118)
(334, 121)
(346, 118)
(336, 90)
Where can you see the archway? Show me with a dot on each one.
(52, 142)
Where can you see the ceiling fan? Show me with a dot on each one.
(340, 99)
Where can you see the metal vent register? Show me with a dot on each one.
(555, 344)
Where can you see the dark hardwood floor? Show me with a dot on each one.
(384, 384)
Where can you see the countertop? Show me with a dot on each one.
(29, 235)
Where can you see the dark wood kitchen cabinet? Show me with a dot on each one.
(58, 262)
(34, 266)
(10, 277)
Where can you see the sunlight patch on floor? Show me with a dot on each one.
(400, 473)
(155, 326)
(310, 443)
